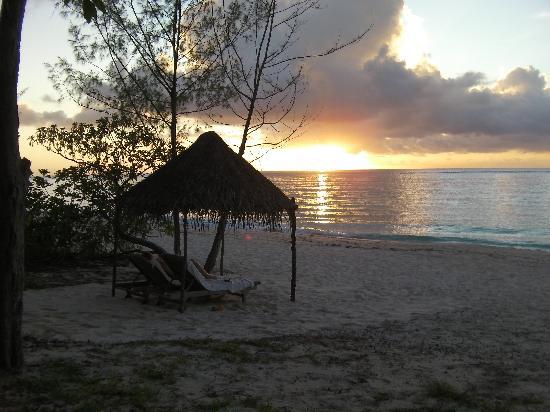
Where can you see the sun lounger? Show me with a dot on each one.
(156, 280)
(197, 284)
(220, 285)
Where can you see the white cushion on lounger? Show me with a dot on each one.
(239, 284)
(234, 285)
(212, 285)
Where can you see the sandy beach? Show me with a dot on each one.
(376, 326)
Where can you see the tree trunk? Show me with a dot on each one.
(142, 242)
(174, 112)
(12, 189)
(215, 248)
(177, 232)
(175, 213)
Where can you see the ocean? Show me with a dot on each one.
(477, 206)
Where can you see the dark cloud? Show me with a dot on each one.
(369, 98)
(339, 21)
(366, 96)
(30, 117)
(404, 110)
(334, 23)
(86, 116)
(49, 99)
(522, 81)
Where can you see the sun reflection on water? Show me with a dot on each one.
(321, 200)
(494, 206)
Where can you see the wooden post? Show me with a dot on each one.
(292, 216)
(115, 247)
(184, 274)
(177, 233)
(222, 252)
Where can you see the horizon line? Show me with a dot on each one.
(405, 168)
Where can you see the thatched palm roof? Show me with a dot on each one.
(208, 179)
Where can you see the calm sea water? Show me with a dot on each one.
(495, 207)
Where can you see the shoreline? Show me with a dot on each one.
(418, 239)
(385, 243)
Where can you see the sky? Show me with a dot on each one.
(434, 84)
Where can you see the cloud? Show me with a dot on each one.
(368, 97)
(543, 15)
(522, 81)
(381, 105)
(86, 116)
(333, 24)
(30, 117)
(339, 20)
(49, 99)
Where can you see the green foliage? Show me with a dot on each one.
(89, 8)
(71, 212)
(56, 227)
(152, 59)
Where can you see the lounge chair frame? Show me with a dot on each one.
(155, 282)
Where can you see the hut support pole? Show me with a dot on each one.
(184, 269)
(116, 228)
(292, 216)
(222, 253)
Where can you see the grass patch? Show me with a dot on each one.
(527, 399)
(97, 351)
(156, 373)
(63, 369)
(312, 357)
(232, 352)
(509, 404)
(256, 403)
(66, 384)
(213, 405)
(112, 393)
(200, 344)
(181, 359)
(445, 391)
(381, 397)
(273, 346)
(55, 380)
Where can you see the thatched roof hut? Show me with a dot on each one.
(209, 180)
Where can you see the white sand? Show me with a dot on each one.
(342, 285)
(374, 325)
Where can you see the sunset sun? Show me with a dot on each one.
(322, 157)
